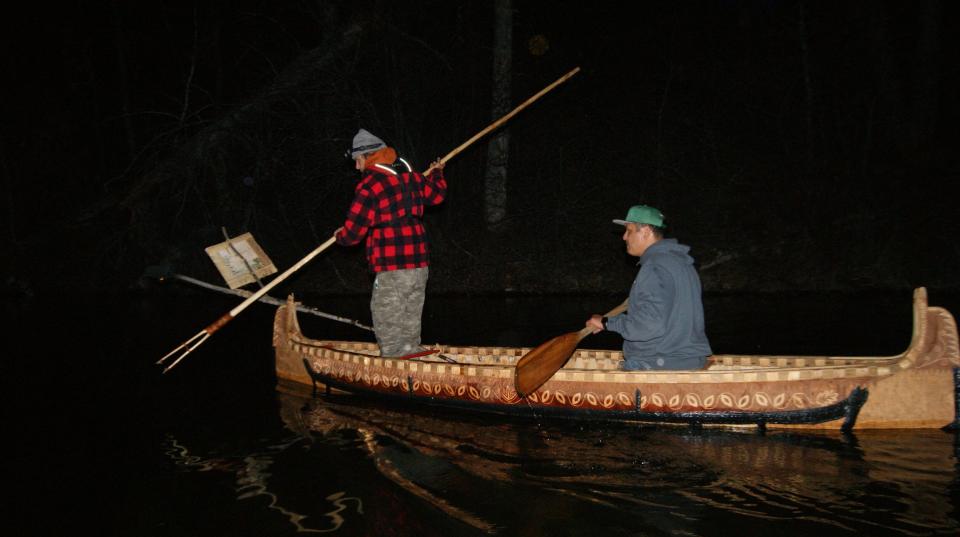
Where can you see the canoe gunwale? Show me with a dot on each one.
(865, 367)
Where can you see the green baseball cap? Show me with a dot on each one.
(642, 214)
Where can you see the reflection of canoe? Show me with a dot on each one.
(496, 449)
(914, 389)
(641, 477)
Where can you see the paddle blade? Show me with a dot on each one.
(538, 365)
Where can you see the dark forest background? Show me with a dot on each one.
(793, 145)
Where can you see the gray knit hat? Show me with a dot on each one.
(364, 143)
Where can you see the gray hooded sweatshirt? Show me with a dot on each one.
(663, 326)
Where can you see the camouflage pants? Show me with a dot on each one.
(396, 306)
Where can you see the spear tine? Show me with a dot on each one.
(182, 345)
(188, 351)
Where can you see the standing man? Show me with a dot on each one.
(663, 326)
(388, 209)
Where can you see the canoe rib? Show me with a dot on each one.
(909, 390)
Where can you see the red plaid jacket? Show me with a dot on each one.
(387, 208)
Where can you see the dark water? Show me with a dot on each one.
(104, 444)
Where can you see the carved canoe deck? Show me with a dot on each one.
(914, 389)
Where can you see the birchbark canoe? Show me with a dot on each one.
(914, 389)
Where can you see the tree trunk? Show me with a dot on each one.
(807, 86)
(123, 78)
(923, 117)
(495, 183)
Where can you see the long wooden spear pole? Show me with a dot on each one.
(505, 118)
(189, 345)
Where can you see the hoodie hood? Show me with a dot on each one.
(668, 247)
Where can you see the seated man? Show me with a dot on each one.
(663, 326)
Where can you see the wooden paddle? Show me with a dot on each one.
(538, 365)
(505, 118)
(189, 345)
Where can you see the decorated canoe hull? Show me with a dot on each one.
(914, 389)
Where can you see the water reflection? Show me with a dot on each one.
(253, 478)
(379, 467)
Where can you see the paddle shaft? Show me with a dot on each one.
(586, 330)
(505, 118)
